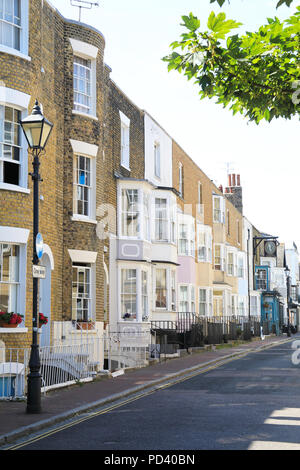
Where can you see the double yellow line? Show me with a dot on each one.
(157, 388)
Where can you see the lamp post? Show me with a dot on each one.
(37, 130)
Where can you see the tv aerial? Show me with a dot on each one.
(83, 4)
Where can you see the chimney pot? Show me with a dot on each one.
(238, 183)
(229, 180)
(233, 180)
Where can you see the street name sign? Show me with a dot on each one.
(39, 271)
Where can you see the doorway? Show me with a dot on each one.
(45, 300)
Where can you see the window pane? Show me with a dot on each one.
(8, 298)
(11, 173)
(8, 10)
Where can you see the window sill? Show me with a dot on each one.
(89, 116)
(15, 52)
(14, 188)
(78, 218)
(13, 330)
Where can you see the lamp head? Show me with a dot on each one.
(36, 128)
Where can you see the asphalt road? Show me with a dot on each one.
(249, 403)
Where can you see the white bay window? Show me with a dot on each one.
(134, 294)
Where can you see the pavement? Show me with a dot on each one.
(66, 403)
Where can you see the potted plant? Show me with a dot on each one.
(10, 320)
(42, 320)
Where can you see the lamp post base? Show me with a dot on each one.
(34, 382)
(34, 394)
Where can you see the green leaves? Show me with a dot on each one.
(220, 26)
(191, 22)
(253, 74)
(282, 2)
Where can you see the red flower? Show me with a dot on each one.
(42, 319)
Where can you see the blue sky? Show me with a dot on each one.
(138, 34)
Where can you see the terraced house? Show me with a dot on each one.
(135, 234)
(60, 63)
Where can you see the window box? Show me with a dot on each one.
(84, 325)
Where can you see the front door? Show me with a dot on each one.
(45, 301)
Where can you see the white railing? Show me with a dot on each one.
(13, 370)
(60, 365)
(66, 364)
(127, 349)
(78, 361)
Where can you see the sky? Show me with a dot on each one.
(137, 35)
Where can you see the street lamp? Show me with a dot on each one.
(37, 130)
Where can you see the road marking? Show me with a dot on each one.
(283, 422)
(272, 445)
(130, 400)
(286, 413)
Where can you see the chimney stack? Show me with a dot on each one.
(234, 191)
